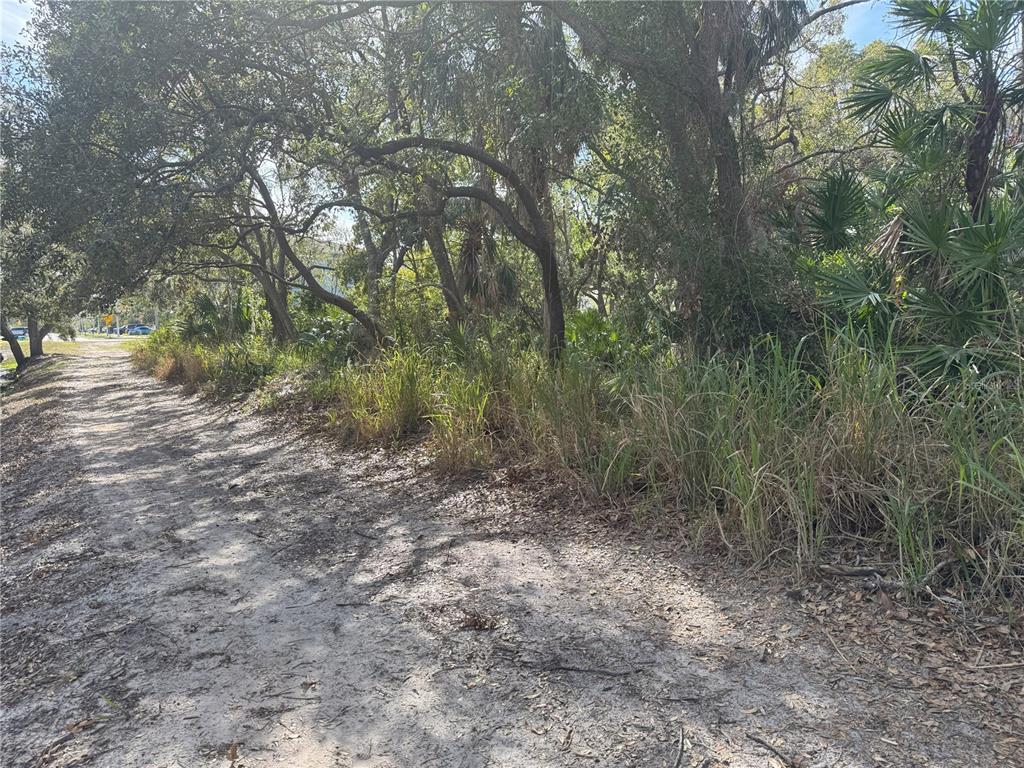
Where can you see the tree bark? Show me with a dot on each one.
(275, 292)
(733, 216)
(979, 151)
(682, 89)
(434, 233)
(554, 312)
(35, 338)
(536, 237)
(276, 298)
(15, 345)
(711, 49)
(375, 256)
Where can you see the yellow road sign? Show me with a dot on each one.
(109, 320)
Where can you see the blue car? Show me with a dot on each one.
(20, 333)
(140, 330)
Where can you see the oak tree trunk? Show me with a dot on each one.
(15, 345)
(35, 338)
(276, 298)
(434, 235)
(554, 312)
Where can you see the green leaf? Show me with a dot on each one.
(838, 207)
(925, 17)
(902, 131)
(901, 67)
(947, 319)
(851, 288)
(869, 99)
(987, 26)
(928, 231)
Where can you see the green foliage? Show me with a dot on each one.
(204, 317)
(459, 428)
(223, 369)
(387, 399)
(908, 67)
(167, 356)
(864, 291)
(327, 340)
(240, 366)
(838, 206)
(592, 335)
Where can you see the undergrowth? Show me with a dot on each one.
(767, 453)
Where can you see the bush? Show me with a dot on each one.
(169, 358)
(240, 366)
(387, 399)
(225, 369)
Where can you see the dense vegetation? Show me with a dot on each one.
(705, 260)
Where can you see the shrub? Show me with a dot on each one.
(240, 366)
(167, 357)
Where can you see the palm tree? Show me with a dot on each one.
(953, 90)
(944, 269)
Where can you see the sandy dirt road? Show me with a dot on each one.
(188, 585)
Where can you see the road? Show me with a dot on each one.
(188, 584)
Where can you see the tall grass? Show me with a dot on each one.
(767, 453)
(224, 369)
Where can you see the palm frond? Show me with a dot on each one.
(838, 207)
(984, 253)
(945, 319)
(886, 244)
(902, 131)
(854, 290)
(939, 360)
(901, 67)
(987, 26)
(928, 231)
(870, 99)
(925, 17)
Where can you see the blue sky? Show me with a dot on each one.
(13, 16)
(864, 23)
(868, 22)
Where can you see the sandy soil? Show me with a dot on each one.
(186, 584)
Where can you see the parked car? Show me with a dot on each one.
(140, 330)
(20, 332)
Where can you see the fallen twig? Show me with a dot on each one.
(850, 572)
(831, 640)
(304, 605)
(682, 748)
(878, 574)
(586, 670)
(767, 745)
(279, 550)
(1009, 665)
(185, 564)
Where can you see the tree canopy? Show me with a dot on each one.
(702, 171)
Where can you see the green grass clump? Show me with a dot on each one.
(461, 434)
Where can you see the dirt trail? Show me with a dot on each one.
(186, 586)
